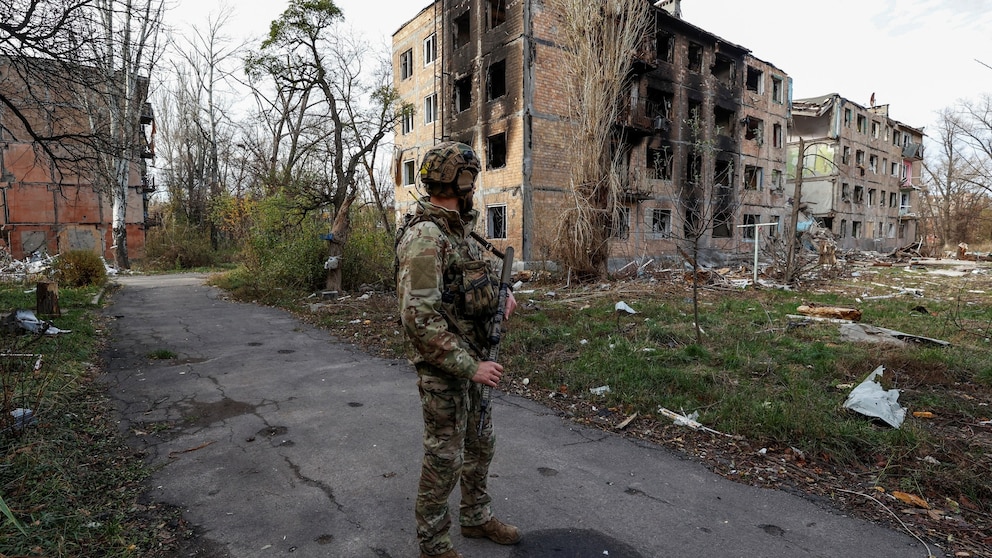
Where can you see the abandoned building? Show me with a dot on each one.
(489, 73)
(861, 172)
(49, 208)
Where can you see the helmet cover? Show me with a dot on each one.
(452, 164)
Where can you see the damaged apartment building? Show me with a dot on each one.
(861, 172)
(49, 208)
(489, 73)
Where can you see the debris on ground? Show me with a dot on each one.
(870, 399)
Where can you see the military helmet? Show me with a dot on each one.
(449, 163)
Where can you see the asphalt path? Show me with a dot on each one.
(277, 439)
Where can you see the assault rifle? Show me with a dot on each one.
(496, 329)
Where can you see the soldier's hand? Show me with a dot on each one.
(488, 373)
(511, 305)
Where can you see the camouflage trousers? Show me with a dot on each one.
(453, 452)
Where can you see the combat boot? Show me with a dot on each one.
(450, 553)
(494, 530)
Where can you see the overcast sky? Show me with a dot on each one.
(916, 56)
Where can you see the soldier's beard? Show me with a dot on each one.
(465, 204)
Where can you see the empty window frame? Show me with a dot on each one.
(778, 90)
(659, 104)
(778, 139)
(843, 228)
(777, 182)
(723, 217)
(430, 49)
(752, 177)
(749, 221)
(875, 129)
(463, 93)
(893, 200)
(659, 162)
(694, 61)
(848, 115)
(406, 64)
(495, 13)
(862, 124)
(665, 46)
(724, 69)
(859, 194)
(460, 30)
(882, 198)
(430, 108)
(496, 151)
(873, 163)
(409, 172)
(496, 80)
(724, 120)
(755, 80)
(620, 225)
(661, 223)
(871, 196)
(754, 129)
(856, 229)
(845, 158)
(845, 192)
(496, 221)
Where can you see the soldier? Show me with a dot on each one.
(447, 295)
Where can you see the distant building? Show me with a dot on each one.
(489, 73)
(50, 210)
(862, 172)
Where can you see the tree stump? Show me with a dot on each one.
(48, 299)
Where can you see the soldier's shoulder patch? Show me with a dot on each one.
(424, 273)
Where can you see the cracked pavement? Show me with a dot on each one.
(274, 438)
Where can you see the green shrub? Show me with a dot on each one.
(80, 268)
(179, 246)
(368, 254)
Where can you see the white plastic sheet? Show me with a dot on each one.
(870, 399)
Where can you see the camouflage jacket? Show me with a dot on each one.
(446, 289)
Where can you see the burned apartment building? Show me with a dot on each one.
(50, 207)
(862, 172)
(490, 73)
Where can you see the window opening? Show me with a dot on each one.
(665, 46)
(755, 81)
(496, 80)
(695, 59)
(620, 225)
(778, 91)
(497, 13)
(496, 221)
(430, 49)
(661, 223)
(724, 69)
(463, 93)
(409, 172)
(460, 30)
(748, 231)
(406, 64)
(430, 108)
(659, 162)
(496, 151)
(752, 177)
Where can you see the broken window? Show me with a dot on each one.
(893, 200)
(430, 108)
(723, 121)
(856, 229)
(871, 196)
(659, 162)
(828, 223)
(620, 224)
(777, 137)
(890, 230)
(695, 59)
(777, 183)
(430, 49)
(881, 201)
(496, 80)
(665, 46)
(895, 169)
(902, 230)
(848, 115)
(754, 129)
(724, 69)
(778, 90)
(754, 81)
(773, 231)
(845, 192)
(460, 30)
(846, 157)
(752, 177)
(859, 194)
(409, 172)
(496, 151)
(859, 160)
(659, 104)
(406, 64)
(843, 228)
(694, 124)
(723, 173)
(496, 11)
(463, 93)
(661, 223)
(749, 227)
(873, 163)
(862, 124)
(496, 221)
(875, 127)
(723, 217)
(896, 138)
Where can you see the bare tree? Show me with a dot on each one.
(599, 39)
(331, 113)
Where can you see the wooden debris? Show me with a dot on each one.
(852, 314)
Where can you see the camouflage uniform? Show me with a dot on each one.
(433, 253)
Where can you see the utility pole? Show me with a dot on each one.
(797, 196)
